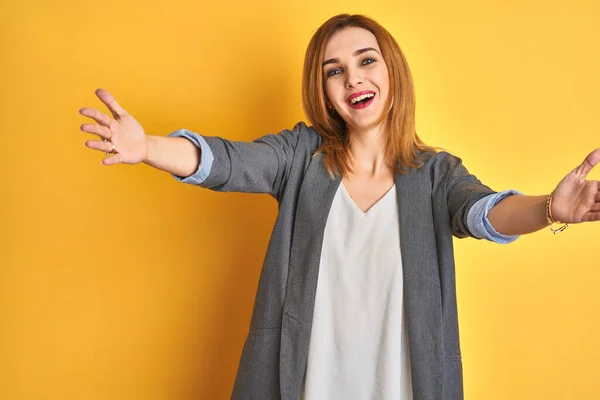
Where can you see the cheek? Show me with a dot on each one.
(332, 92)
(384, 88)
(384, 79)
(329, 88)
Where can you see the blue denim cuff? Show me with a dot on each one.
(206, 160)
(478, 223)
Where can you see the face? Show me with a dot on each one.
(356, 77)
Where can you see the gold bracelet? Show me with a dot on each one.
(551, 221)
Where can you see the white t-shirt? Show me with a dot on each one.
(358, 344)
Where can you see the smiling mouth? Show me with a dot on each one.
(361, 99)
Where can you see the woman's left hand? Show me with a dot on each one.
(575, 198)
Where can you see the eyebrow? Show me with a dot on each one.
(356, 53)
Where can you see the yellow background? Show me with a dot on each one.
(118, 283)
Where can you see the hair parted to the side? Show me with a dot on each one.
(404, 149)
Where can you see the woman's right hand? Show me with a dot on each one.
(122, 138)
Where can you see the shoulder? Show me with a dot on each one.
(308, 137)
(442, 168)
(300, 138)
(438, 162)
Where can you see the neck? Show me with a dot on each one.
(367, 151)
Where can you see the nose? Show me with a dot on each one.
(353, 78)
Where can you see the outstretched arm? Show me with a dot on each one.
(260, 166)
(574, 200)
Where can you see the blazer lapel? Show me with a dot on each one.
(314, 202)
(422, 290)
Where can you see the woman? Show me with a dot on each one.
(357, 295)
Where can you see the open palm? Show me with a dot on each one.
(122, 138)
(575, 198)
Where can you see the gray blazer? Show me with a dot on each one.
(433, 201)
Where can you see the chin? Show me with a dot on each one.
(364, 125)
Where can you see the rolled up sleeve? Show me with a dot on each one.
(478, 222)
(206, 158)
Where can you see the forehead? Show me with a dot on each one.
(346, 41)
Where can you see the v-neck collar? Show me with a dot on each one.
(375, 205)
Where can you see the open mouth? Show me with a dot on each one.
(361, 100)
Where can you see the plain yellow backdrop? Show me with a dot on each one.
(119, 283)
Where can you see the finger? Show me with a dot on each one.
(590, 162)
(110, 102)
(591, 216)
(113, 159)
(96, 129)
(97, 116)
(100, 145)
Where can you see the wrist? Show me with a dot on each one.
(550, 219)
(151, 149)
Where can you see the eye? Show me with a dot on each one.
(335, 71)
(368, 61)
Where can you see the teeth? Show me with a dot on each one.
(362, 97)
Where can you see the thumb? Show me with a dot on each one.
(590, 162)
